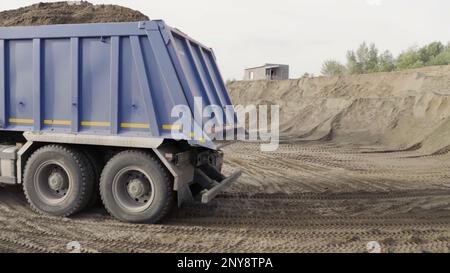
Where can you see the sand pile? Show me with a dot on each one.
(68, 13)
(399, 110)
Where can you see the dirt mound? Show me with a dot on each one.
(68, 13)
(401, 110)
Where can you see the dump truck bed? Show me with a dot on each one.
(117, 79)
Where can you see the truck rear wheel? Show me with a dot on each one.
(58, 180)
(136, 188)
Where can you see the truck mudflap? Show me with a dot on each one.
(197, 173)
(218, 186)
(208, 176)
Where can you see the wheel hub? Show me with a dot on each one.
(56, 181)
(133, 190)
(136, 188)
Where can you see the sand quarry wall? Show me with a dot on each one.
(399, 110)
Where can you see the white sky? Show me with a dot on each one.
(301, 33)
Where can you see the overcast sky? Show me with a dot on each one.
(301, 33)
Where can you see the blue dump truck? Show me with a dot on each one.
(85, 113)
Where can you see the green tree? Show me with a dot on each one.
(431, 54)
(410, 59)
(430, 51)
(353, 66)
(442, 59)
(362, 57)
(332, 68)
(364, 60)
(371, 63)
(386, 62)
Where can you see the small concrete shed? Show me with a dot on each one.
(267, 72)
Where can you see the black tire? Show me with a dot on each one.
(97, 167)
(71, 167)
(143, 169)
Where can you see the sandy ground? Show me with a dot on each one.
(306, 197)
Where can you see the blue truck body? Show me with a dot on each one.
(104, 79)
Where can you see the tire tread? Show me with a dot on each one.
(170, 198)
(87, 175)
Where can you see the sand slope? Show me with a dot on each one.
(399, 110)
